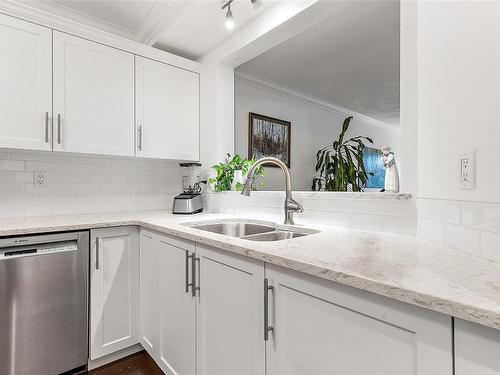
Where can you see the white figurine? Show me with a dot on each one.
(391, 183)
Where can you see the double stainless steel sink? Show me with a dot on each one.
(252, 231)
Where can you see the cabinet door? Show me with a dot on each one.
(177, 307)
(229, 314)
(167, 110)
(321, 328)
(149, 296)
(477, 349)
(93, 97)
(26, 85)
(114, 290)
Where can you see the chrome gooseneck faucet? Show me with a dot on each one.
(291, 205)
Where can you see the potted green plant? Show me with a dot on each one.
(225, 173)
(340, 164)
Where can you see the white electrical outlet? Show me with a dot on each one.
(467, 164)
(38, 178)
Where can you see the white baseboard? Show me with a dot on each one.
(93, 364)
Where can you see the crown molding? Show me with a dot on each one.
(162, 15)
(24, 11)
(62, 10)
(262, 84)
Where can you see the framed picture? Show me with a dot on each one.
(372, 159)
(268, 136)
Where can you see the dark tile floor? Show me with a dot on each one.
(137, 364)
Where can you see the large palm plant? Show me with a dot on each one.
(341, 163)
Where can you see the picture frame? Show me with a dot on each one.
(269, 136)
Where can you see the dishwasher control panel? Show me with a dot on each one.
(40, 249)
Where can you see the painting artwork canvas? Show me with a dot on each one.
(372, 159)
(268, 136)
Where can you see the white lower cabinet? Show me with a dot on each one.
(229, 314)
(149, 333)
(323, 328)
(215, 330)
(114, 290)
(177, 349)
(315, 326)
(167, 302)
(477, 349)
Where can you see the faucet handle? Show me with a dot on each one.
(294, 206)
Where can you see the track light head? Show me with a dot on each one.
(229, 17)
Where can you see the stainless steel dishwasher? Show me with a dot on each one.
(44, 304)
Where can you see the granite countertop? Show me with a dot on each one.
(400, 267)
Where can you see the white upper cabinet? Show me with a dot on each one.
(93, 97)
(64, 93)
(167, 111)
(25, 85)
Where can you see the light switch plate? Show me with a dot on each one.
(467, 170)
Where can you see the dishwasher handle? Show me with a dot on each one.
(19, 252)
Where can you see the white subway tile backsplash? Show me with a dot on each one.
(77, 178)
(424, 208)
(490, 245)
(463, 238)
(445, 211)
(12, 165)
(485, 216)
(383, 207)
(431, 230)
(338, 219)
(12, 211)
(408, 208)
(39, 166)
(83, 183)
(399, 224)
(367, 222)
(337, 209)
(353, 206)
(4, 177)
(477, 232)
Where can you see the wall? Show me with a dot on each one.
(458, 96)
(83, 184)
(313, 127)
(457, 90)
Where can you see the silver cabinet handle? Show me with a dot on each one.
(267, 328)
(97, 251)
(46, 127)
(139, 131)
(59, 128)
(194, 287)
(188, 284)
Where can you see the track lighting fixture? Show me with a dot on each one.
(229, 17)
(229, 13)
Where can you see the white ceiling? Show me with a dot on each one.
(202, 26)
(189, 28)
(350, 60)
